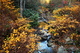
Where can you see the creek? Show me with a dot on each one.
(43, 48)
(42, 45)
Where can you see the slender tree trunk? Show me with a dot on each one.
(21, 8)
(70, 2)
(24, 4)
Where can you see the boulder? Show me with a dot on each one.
(61, 49)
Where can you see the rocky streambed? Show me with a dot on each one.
(46, 45)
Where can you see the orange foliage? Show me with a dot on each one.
(66, 24)
(8, 13)
(21, 40)
(72, 12)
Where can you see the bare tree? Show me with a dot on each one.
(70, 2)
(21, 7)
(24, 4)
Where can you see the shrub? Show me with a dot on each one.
(33, 15)
(65, 26)
(21, 40)
(8, 14)
(72, 12)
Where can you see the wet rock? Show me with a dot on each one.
(50, 40)
(54, 46)
(61, 49)
(44, 51)
(67, 39)
(36, 51)
(49, 44)
(44, 37)
(45, 32)
(73, 48)
(70, 43)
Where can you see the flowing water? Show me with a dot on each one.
(42, 45)
(43, 48)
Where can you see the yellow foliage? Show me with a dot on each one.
(68, 12)
(66, 23)
(21, 36)
(75, 37)
(55, 34)
(8, 15)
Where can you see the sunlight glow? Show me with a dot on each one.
(44, 1)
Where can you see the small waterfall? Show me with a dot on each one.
(42, 46)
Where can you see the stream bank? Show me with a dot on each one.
(47, 45)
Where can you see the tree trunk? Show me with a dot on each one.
(24, 4)
(21, 7)
(70, 2)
